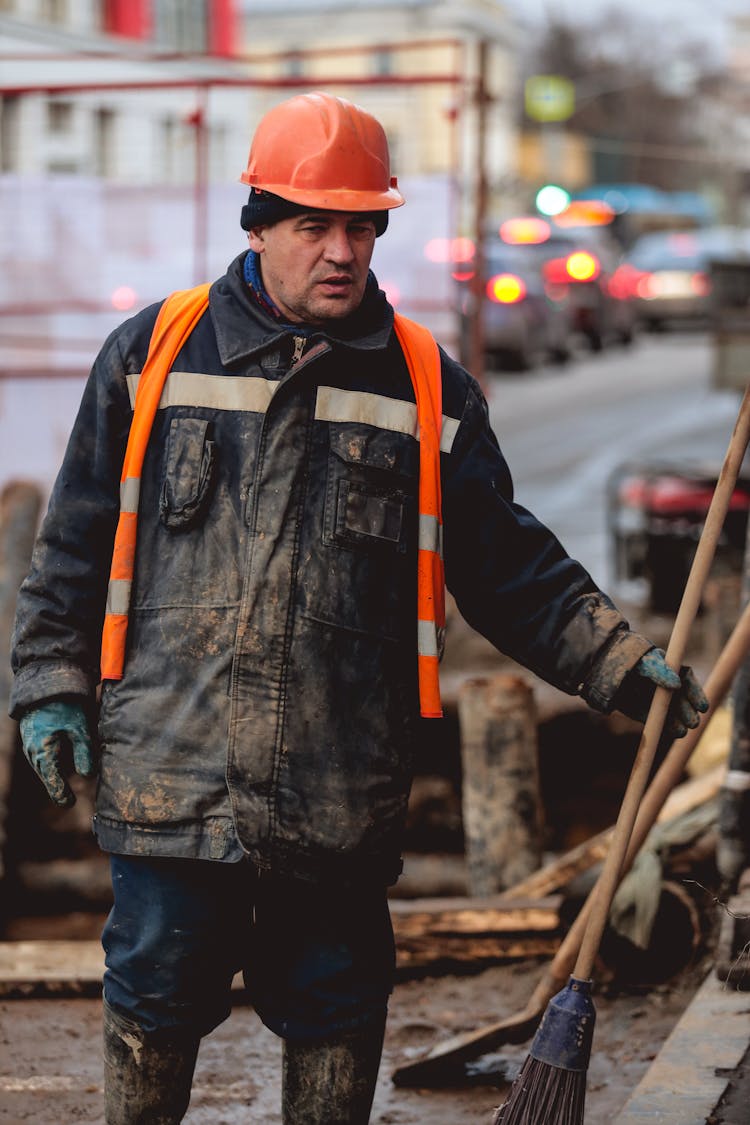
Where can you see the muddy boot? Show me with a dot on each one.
(332, 1082)
(147, 1076)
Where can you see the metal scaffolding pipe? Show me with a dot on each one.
(450, 78)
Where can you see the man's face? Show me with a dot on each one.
(315, 265)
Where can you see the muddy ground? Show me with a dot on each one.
(51, 1071)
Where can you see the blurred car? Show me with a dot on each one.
(580, 264)
(524, 324)
(668, 273)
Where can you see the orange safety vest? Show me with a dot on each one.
(177, 317)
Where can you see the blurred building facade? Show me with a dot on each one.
(70, 101)
(739, 102)
(124, 127)
(395, 51)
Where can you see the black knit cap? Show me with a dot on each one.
(265, 209)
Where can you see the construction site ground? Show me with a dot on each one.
(52, 1071)
(51, 1067)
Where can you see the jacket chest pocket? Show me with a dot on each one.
(189, 473)
(370, 491)
(362, 577)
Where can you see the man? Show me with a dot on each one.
(256, 724)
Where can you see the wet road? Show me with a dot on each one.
(564, 429)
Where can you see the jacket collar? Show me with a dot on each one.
(243, 328)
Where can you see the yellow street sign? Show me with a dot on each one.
(549, 97)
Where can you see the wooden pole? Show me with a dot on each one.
(20, 502)
(476, 321)
(500, 788)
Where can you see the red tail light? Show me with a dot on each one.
(578, 266)
(624, 282)
(646, 287)
(555, 271)
(700, 284)
(506, 289)
(526, 230)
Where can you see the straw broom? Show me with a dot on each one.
(551, 1086)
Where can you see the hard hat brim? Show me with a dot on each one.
(335, 199)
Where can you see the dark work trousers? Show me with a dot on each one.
(315, 960)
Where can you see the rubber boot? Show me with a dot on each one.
(147, 1076)
(332, 1082)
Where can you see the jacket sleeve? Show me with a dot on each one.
(516, 585)
(57, 636)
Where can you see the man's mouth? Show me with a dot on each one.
(337, 283)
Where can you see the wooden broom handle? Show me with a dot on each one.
(607, 885)
(669, 773)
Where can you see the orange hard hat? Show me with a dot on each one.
(325, 152)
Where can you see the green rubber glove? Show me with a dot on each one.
(57, 741)
(637, 689)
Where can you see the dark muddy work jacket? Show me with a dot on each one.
(269, 702)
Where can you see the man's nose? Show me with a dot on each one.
(339, 246)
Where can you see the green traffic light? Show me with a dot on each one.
(551, 199)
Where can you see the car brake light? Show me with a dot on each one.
(623, 283)
(646, 287)
(582, 266)
(555, 271)
(528, 230)
(463, 275)
(505, 289)
(449, 250)
(700, 284)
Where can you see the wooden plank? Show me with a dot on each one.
(493, 915)
(443, 934)
(690, 1074)
(43, 968)
(450, 953)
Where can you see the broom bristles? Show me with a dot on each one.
(550, 1088)
(544, 1095)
